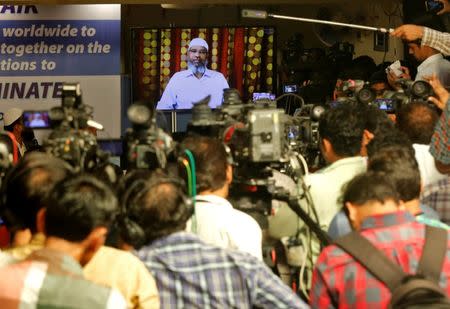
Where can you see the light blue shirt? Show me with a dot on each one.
(184, 88)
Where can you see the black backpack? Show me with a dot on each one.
(420, 290)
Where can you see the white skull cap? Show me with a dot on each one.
(198, 42)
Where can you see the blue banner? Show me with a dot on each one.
(59, 47)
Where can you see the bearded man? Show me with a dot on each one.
(195, 83)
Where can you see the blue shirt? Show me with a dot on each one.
(340, 225)
(184, 88)
(192, 274)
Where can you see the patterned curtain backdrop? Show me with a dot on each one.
(244, 55)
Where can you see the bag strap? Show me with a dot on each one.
(433, 253)
(370, 257)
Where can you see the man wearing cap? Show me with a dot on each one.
(13, 122)
(195, 83)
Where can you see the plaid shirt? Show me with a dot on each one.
(437, 40)
(340, 281)
(50, 279)
(192, 274)
(440, 145)
(437, 196)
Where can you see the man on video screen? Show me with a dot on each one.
(195, 83)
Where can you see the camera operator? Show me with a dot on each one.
(341, 132)
(216, 221)
(190, 273)
(25, 190)
(417, 120)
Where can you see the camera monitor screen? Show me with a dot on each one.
(36, 119)
(237, 57)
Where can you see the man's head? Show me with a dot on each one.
(420, 52)
(13, 122)
(341, 131)
(26, 187)
(386, 138)
(197, 55)
(398, 162)
(379, 83)
(79, 210)
(377, 123)
(369, 194)
(213, 171)
(417, 120)
(159, 205)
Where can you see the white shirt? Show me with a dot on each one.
(428, 172)
(218, 223)
(435, 64)
(325, 186)
(184, 88)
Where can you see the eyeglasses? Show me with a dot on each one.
(201, 51)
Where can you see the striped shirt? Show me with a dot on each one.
(51, 279)
(437, 40)
(192, 274)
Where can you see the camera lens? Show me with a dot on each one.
(366, 95)
(421, 89)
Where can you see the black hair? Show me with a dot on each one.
(160, 207)
(370, 187)
(387, 138)
(376, 120)
(398, 162)
(26, 187)
(77, 205)
(211, 161)
(417, 120)
(343, 127)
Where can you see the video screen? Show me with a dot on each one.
(36, 119)
(237, 57)
(263, 95)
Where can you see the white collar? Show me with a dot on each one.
(429, 60)
(213, 199)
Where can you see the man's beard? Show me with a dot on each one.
(200, 68)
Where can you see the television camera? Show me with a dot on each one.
(72, 138)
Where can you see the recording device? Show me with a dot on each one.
(433, 6)
(290, 88)
(146, 145)
(263, 95)
(36, 119)
(71, 139)
(385, 104)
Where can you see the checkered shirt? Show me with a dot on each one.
(440, 145)
(192, 274)
(340, 281)
(50, 279)
(437, 40)
(437, 196)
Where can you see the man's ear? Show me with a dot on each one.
(352, 212)
(229, 174)
(92, 243)
(40, 220)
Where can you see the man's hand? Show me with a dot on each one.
(408, 32)
(445, 9)
(392, 78)
(442, 95)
